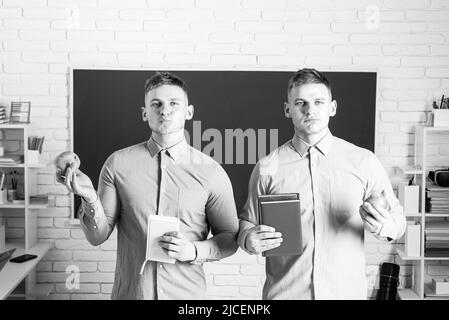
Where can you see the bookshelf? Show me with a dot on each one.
(420, 289)
(14, 139)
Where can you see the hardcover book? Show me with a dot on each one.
(282, 212)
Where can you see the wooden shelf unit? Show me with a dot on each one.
(14, 274)
(419, 171)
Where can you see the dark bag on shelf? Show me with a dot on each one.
(440, 177)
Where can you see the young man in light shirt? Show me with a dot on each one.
(161, 176)
(333, 178)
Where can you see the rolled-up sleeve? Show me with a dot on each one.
(98, 219)
(222, 217)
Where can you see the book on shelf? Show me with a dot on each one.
(39, 199)
(437, 198)
(11, 159)
(436, 235)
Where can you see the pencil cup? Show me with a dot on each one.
(12, 195)
(441, 117)
(33, 156)
(3, 196)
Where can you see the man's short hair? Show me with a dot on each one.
(162, 77)
(307, 76)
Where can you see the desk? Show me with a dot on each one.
(13, 273)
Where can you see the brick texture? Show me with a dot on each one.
(39, 40)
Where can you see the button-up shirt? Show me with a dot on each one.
(333, 178)
(179, 181)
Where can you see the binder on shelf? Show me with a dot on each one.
(282, 212)
(412, 240)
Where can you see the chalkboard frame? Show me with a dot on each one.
(72, 69)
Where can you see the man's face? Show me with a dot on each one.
(310, 107)
(166, 109)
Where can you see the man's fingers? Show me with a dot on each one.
(269, 235)
(75, 185)
(264, 228)
(268, 247)
(269, 242)
(59, 177)
(68, 180)
(170, 239)
(372, 224)
(372, 211)
(169, 246)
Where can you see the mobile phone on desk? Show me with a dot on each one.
(23, 258)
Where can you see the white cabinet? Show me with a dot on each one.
(421, 282)
(21, 214)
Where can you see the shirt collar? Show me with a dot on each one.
(175, 151)
(323, 145)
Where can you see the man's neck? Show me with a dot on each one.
(311, 139)
(168, 140)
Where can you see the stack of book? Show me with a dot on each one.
(3, 118)
(39, 199)
(10, 160)
(437, 238)
(437, 199)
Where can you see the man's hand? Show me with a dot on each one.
(77, 182)
(374, 217)
(178, 246)
(262, 238)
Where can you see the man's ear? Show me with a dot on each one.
(189, 112)
(144, 114)
(287, 110)
(333, 108)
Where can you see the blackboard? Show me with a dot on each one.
(107, 115)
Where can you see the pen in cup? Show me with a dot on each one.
(2, 181)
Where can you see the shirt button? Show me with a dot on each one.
(91, 210)
(164, 166)
(160, 266)
(161, 291)
(163, 189)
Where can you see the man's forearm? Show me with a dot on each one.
(94, 222)
(216, 248)
(244, 227)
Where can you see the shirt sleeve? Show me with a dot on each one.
(222, 217)
(248, 217)
(379, 181)
(97, 219)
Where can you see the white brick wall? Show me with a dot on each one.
(408, 47)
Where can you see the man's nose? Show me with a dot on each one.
(165, 109)
(310, 109)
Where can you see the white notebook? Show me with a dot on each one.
(157, 227)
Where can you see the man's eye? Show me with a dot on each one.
(318, 102)
(299, 103)
(155, 104)
(174, 104)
